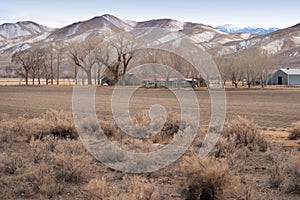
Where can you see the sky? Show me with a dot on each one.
(241, 13)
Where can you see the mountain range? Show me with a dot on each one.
(229, 28)
(284, 43)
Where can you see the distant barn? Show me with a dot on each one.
(285, 76)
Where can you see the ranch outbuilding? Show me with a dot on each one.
(285, 76)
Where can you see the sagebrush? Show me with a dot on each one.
(295, 131)
(240, 133)
(207, 178)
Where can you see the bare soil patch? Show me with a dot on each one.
(271, 108)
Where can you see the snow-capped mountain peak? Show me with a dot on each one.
(229, 28)
(19, 29)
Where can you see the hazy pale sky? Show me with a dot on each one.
(59, 13)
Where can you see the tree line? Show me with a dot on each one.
(250, 67)
(37, 63)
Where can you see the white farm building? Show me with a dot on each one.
(285, 76)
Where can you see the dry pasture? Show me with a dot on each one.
(38, 161)
(270, 108)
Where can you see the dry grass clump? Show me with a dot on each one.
(130, 187)
(61, 124)
(145, 143)
(240, 133)
(170, 128)
(42, 150)
(71, 161)
(207, 178)
(4, 116)
(276, 177)
(245, 132)
(295, 131)
(286, 173)
(70, 168)
(167, 132)
(54, 123)
(51, 165)
(124, 141)
(10, 128)
(12, 165)
(111, 130)
(98, 188)
(41, 180)
(67, 157)
(141, 118)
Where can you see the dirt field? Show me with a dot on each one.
(270, 108)
(43, 158)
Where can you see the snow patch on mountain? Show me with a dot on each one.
(273, 47)
(21, 29)
(296, 40)
(205, 36)
(209, 28)
(167, 38)
(23, 47)
(13, 30)
(295, 54)
(224, 40)
(15, 48)
(176, 25)
(131, 23)
(117, 22)
(248, 43)
(74, 30)
(40, 37)
(245, 36)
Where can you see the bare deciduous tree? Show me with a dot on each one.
(256, 65)
(250, 73)
(23, 58)
(31, 61)
(249, 66)
(38, 63)
(235, 71)
(266, 63)
(102, 55)
(83, 56)
(49, 64)
(123, 49)
(223, 63)
(58, 61)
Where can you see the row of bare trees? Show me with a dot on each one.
(37, 63)
(112, 59)
(250, 67)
